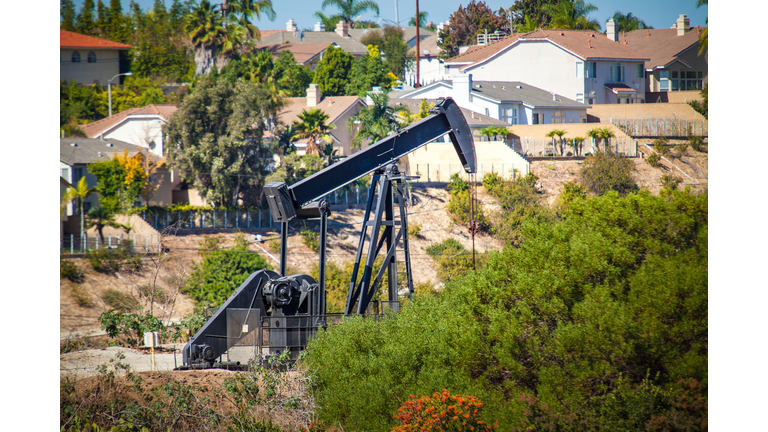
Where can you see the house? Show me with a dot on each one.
(305, 54)
(77, 153)
(409, 35)
(512, 102)
(142, 127)
(674, 62)
(90, 60)
(580, 65)
(338, 108)
(292, 35)
(431, 68)
(64, 215)
(437, 161)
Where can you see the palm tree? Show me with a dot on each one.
(373, 122)
(313, 127)
(233, 38)
(101, 217)
(205, 29)
(559, 133)
(628, 22)
(529, 26)
(577, 143)
(328, 21)
(422, 20)
(79, 193)
(704, 34)
(606, 134)
(494, 131)
(595, 134)
(571, 14)
(352, 8)
(245, 10)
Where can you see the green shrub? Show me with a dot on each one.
(681, 149)
(457, 184)
(670, 182)
(520, 201)
(696, 142)
(70, 270)
(607, 171)
(654, 160)
(491, 180)
(453, 260)
(414, 230)
(311, 239)
(661, 146)
(572, 191)
(460, 211)
(104, 260)
(119, 300)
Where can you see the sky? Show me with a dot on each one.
(655, 13)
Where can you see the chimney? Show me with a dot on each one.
(682, 24)
(610, 30)
(342, 29)
(314, 95)
(319, 27)
(291, 25)
(462, 89)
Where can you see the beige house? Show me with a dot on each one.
(90, 60)
(675, 63)
(339, 110)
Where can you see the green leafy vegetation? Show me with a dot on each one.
(70, 270)
(460, 205)
(702, 106)
(452, 260)
(332, 73)
(606, 171)
(311, 239)
(654, 160)
(221, 272)
(597, 319)
(520, 201)
(81, 296)
(119, 301)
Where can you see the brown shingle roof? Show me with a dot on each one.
(302, 52)
(428, 44)
(95, 128)
(333, 106)
(68, 39)
(588, 45)
(661, 45)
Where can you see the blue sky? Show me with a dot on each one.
(656, 13)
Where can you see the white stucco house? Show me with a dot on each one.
(142, 127)
(90, 60)
(581, 65)
(511, 102)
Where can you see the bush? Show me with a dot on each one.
(120, 300)
(414, 230)
(607, 171)
(696, 142)
(681, 149)
(491, 180)
(70, 270)
(670, 181)
(572, 191)
(81, 296)
(460, 210)
(660, 145)
(654, 160)
(442, 412)
(452, 260)
(457, 184)
(104, 260)
(520, 201)
(311, 239)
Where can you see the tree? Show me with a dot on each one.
(628, 22)
(702, 107)
(604, 172)
(571, 14)
(121, 181)
(215, 139)
(373, 122)
(604, 134)
(534, 10)
(101, 217)
(332, 73)
(367, 72)
(312, 126)
(704, 34)
(422, 19)
(465, 24)
(559, 134)
(389, 41)
(294, 168)
(494, 131)
(86, 19)
(68, 15)
(329, 22)
(206, 31)
(78, 193)
(530, 25)
(245, 10)
(293, 78)
(349, 10)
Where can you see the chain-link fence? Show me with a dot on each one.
(661, 127)
(549, 147)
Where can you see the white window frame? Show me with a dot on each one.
(580, 70)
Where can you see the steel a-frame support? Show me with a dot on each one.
(387, 190)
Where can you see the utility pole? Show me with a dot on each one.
(418, 52)
(397, 15)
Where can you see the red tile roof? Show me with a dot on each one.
(585, 44)
(68, 39)
(661, 45)
(302, 52)
(93, 129)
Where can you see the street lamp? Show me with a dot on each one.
(109, 89)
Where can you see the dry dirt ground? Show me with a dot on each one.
(427, 210)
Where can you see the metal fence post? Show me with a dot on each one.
(71, 243)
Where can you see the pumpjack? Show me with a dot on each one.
(282, 312)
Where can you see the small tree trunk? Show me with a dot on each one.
(205, 60)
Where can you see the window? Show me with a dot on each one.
(65, 173)
(591, 101)
(75, 57)
(663, 80)
(617, 73)
(538, 118)
(579, 69)
(580, 97)
(640, 70)
(509, 115)
(487, 112)
(77, 173)
(591, 70)
(91, 57)
(558, 117)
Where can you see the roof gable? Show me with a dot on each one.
(661, 46)
(302, 52)
(94, 129)
(68, 39)
(333, 106)
(86, 150)
(286, 37)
